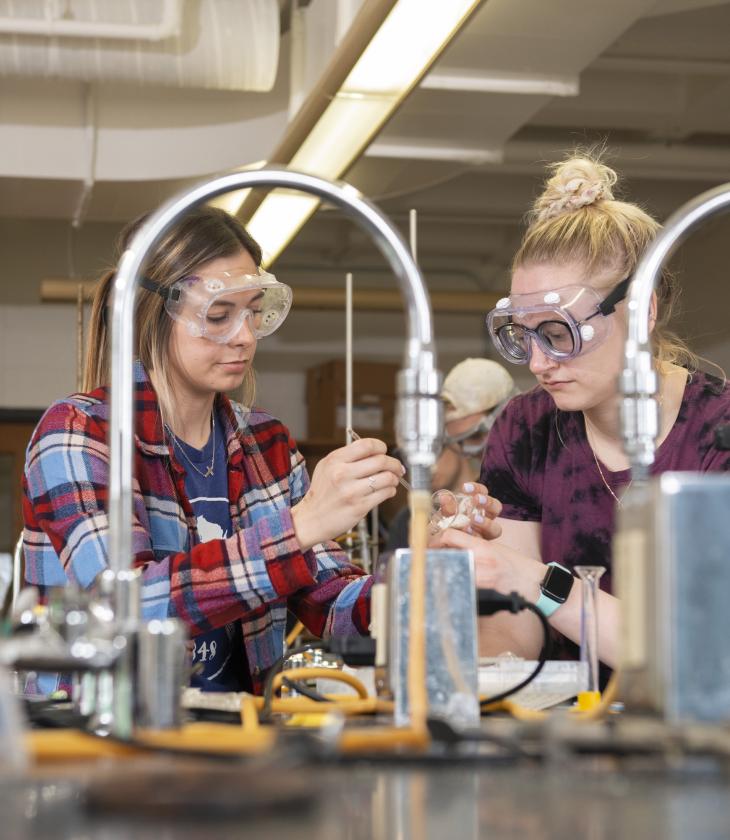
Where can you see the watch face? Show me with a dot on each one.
(557, 583)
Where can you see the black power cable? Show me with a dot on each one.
(304, 690)
(274, 670)
(489, 601)
(269, 689)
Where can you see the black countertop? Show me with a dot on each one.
(564, 798)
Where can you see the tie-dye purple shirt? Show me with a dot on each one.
(539, 465)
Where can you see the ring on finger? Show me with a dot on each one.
(371, 482)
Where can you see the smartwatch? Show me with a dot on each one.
(554, 589)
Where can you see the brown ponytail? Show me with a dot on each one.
(96, 365)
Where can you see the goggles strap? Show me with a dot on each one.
(480, 427)
(165, 292)
(608, 304)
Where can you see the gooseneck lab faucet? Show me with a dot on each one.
(419, 412)
(673, 537)
(639, 411)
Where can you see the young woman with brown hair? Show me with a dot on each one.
(228, 530)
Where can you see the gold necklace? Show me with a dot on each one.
(209, 471)
(600, 471)
(603, 478)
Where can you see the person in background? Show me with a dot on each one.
(228, 532)
(555, 457)
(474, 392)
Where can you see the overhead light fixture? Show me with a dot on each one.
(410, 150)
(410, 36)
(231, 201)
(528, 84)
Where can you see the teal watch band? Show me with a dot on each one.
(554, 589)
(547, 605)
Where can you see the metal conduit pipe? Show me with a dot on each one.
(639, 410)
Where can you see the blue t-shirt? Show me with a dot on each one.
(220, 652)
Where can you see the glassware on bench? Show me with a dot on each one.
(452, 510)
(590, 576)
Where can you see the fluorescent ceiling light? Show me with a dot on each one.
(513, 83)
(285, 211)
(404, 47)
(231, 201)
(411, 37)
(409, 150)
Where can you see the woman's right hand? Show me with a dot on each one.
(484, 524)
(345, 485)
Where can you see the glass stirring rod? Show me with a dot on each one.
(355, 436)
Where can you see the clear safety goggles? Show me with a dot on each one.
(216, 307)
(564, 323)
(472, 441)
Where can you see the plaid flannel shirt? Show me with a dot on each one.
(251, 576)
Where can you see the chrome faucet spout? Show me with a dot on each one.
(419, 418)
(639, 410)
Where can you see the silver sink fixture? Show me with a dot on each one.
(672, 543)
(419, 420)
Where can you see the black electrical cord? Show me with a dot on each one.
(442, 731)
(274, 670)
(269, 688)
(304, 690)
(489, 602)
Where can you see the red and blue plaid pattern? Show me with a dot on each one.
(252, 576)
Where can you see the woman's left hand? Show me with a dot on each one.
(496, 565)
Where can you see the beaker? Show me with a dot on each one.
(451, 636)
(161, 672)
(589, 576)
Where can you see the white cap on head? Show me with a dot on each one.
(474, 386)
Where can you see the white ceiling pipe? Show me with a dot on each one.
(529, 84)
(90, 137)
(208, 52)
(168, 27)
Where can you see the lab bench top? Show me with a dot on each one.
(163, 798)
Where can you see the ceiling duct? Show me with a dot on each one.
(215, 44)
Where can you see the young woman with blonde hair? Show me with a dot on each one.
(554, 458)
(228, 530)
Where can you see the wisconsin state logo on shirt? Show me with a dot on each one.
(210, 530)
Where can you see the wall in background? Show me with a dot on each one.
(36, 248)
(38, 354)
(38, 341)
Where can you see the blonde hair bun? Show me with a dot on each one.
(575, 183)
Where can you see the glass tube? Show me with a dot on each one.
(590, 575)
